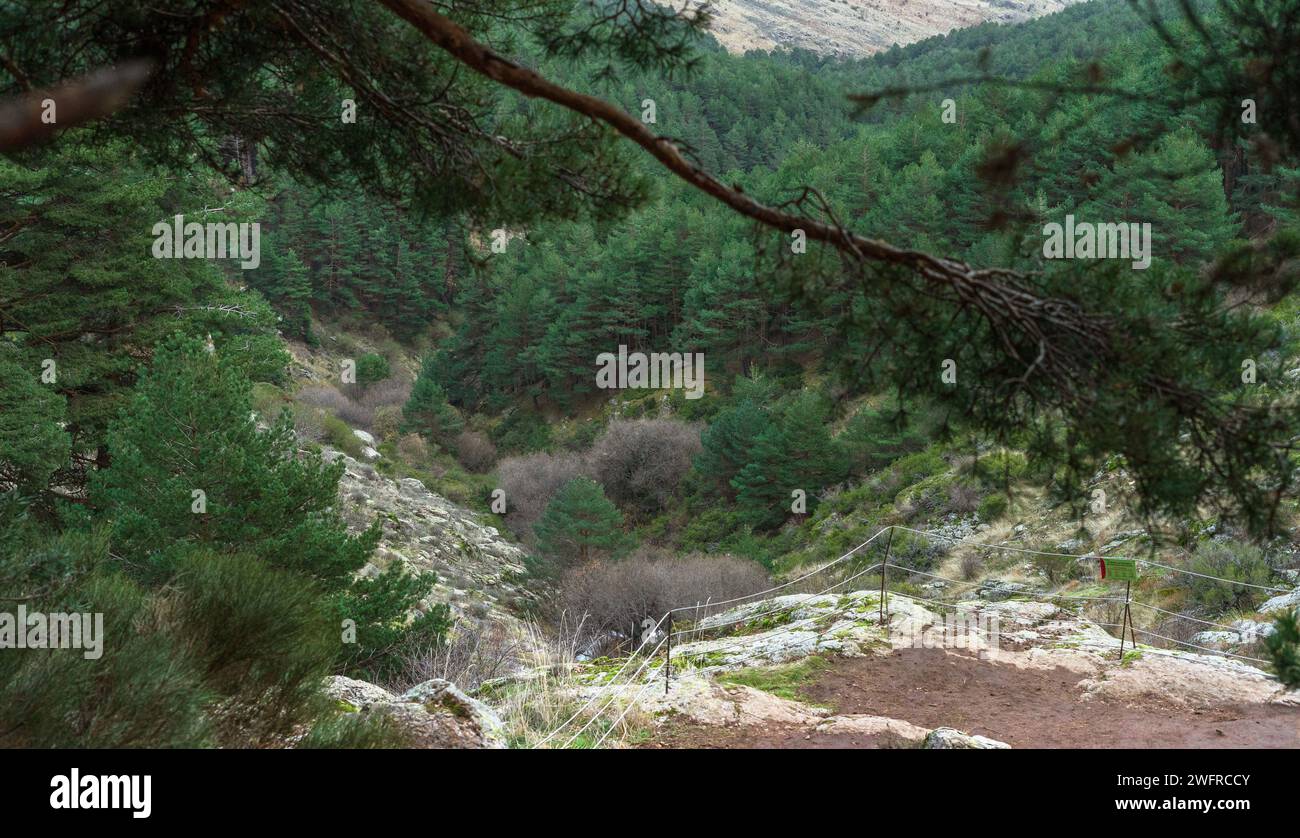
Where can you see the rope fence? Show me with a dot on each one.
(607, 694)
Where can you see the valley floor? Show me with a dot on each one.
(1026, 708)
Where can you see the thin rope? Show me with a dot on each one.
(784, 585)
(650, 682)
(613, 695)
(745, 618)
(611, 680)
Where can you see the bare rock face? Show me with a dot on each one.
(435, 714)
(858, 27)
(480, 572)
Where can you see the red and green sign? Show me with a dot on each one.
(1119, 570)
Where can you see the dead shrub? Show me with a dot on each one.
(387, 422)
(391, 392)
(963, 500)
(475, 451)
(641, 462)
(472, 653)
(615, 596)
(531, 481)
(413, 449)
(332, 400)
(308, 423)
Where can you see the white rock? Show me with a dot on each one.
(1244, 633)
(1281, 602)
(448, 695)
(359, 694)
(944, 738)
(364, 436)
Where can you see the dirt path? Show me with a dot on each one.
(1026, 708)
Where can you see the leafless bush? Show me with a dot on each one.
(391, 392)
(337, 403)
(308, 424)
(413, 449)
(387, 422)
(473, 652)
(963, 500)
(971, 563)
(531, 481)
(1173, 627)
(615, 596)
(475, 451)
(640, 462)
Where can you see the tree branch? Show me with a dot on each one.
(1000, 295)
(77, 102)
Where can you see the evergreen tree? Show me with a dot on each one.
(764, 484)
(286, 283)
(189, 429)
(1284, 645)
(580, 524)
(1178, 189)
(32, 444)
(192, 470)
(427, 411)
(78, 287)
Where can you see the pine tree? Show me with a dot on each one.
(427, 411)
(1284, 645)
(192, 471)
(1178, 189)
(32, 444)
(286, 283)
(764, 484)
(729, 441)
(191, 466)
(580, 524)
(79, 288)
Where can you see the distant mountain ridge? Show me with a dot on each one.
(858, 27)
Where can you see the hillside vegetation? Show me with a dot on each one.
(175, 434)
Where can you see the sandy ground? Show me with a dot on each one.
(1024, 707)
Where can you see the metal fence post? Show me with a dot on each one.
(668, 654)
(884, 570)
(1126, 622)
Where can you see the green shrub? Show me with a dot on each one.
(372, 368)
(521, 432)
(339, 434)
(1230, 560)
(268, 400)
(1000, 468)
(227, 652)
(992, 507)
(1060, 569)
(916, 551)
(707, 529)
(874, 438)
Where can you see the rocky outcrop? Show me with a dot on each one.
(1281, 602)
(857, 27)
(435, 714)
(1030, 635)
(787, 628)
(479, 571)
(1241, 633)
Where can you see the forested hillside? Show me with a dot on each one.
(434, 296)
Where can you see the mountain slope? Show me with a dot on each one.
(858, 27)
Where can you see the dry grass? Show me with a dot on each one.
(553, 693)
